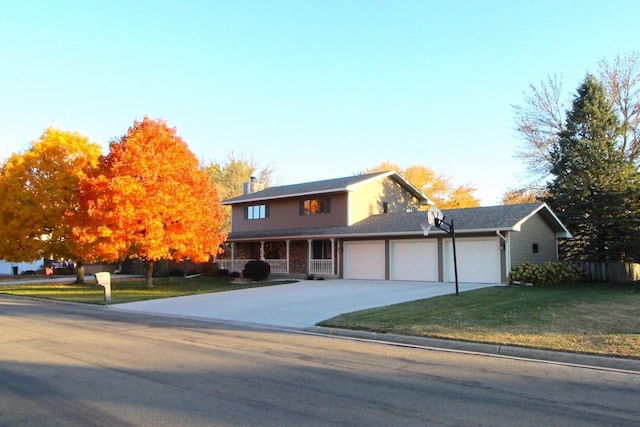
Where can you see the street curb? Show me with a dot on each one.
(578, 359)
(543, 356)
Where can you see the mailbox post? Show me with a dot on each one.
(104, 279)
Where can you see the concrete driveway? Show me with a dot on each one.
(297, 305)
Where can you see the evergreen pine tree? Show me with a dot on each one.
(596, 188)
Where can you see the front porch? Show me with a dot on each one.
(288, 257)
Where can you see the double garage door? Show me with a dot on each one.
(478, 260)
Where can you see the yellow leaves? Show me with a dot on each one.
(104, 231)
(437, 186)
(148, 198)
(38, 189)
(514, 197)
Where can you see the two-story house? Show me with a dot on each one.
(368, 227)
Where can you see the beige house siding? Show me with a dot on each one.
(285, 214)
(533, 231)
(370, 197)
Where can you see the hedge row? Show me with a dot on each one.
(549, 273)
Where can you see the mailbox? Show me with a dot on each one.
(104, 279)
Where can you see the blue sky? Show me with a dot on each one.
(313, 89)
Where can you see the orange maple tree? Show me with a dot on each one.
(149, 199)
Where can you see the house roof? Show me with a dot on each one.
(336, 185)
(467, 220)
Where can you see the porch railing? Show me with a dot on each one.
(316, 266)
(232, 265)
(277, 265)
(321, 266)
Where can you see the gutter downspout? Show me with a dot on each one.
(507, 252)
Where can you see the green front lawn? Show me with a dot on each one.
(128, 290)
(586, 318)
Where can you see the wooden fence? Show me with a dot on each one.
(610, 272)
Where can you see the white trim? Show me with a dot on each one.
(561, 234)
(463, 233)
(507, 252)
(333, 255)
(283, 196)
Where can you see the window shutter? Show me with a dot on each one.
(301, 212)
(246, 212)
(327, 205)
(266, 211)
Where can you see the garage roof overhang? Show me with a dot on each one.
(471, 221)
(327, 234)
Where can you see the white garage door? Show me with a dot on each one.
(478, 260)
(414, 260)
(364, 260)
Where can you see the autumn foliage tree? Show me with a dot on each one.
(38, 190)
(521, 195)
(229, 175)
(436, 186)
(150, 200)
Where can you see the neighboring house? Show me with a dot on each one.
(368, 227)
(7, 267)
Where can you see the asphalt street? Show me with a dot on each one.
(301, 305)
(76, 365)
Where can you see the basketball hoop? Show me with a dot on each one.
(425, 228)
(435, 218)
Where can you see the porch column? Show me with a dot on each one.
(333, 255)
(233, 255)
(338, 258)
(288, 244)
(262, 250)
(309, 255)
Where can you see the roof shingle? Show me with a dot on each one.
(501, 218)
(319, 187)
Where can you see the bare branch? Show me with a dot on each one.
(539, 121)
(621, 79)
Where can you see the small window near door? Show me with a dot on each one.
(535, 248)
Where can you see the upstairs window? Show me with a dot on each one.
(256, 212)
(315, 206)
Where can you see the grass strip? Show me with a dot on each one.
(129, 290)
(584, 318)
